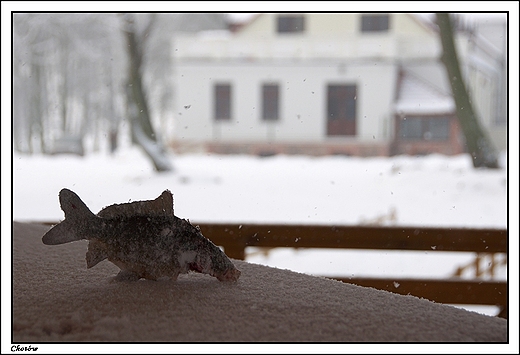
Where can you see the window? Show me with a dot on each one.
(425, 128)
(411, 128)
(437, 129)
(341, 110)
(374, 23)
(290, 24)
(222, 102)
(270, 101)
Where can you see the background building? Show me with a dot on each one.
(356, 84)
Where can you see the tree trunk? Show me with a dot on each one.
(111, 113)
(142, 130)
(36, 123)
(477, 142)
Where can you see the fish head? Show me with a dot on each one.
(232, 274)
(208, 258)
(222, 267)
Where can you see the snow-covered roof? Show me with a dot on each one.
(416, 96)
(240, 17)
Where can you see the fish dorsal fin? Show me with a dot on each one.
(162, 206)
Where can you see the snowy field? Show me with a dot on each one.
(427, 191)
(410, 191)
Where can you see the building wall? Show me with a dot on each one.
(331, 25)
(325, 36)
(303, 101)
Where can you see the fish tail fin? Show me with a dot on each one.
(77, 220)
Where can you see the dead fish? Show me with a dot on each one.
(143, 238)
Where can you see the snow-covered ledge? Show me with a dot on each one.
(55, 299)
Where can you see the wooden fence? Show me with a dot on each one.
(234, 238)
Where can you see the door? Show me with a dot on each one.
(341, 110)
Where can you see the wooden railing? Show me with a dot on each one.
(234, 238)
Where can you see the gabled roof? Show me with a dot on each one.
(424, 21)
(416, 96)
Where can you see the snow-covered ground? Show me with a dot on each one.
(413, 191)
(423, 191)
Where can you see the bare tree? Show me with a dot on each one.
(70, 79)
(477, 142)
(28, 80)
(62, 88)
(138, 111)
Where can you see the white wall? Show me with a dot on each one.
(411, 46)
(303, 104)
(338, 25)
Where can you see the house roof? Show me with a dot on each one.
(417, 96)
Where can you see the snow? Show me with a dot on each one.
(264, 305)
(241, 17)
(418, 97)
(416, 191)
(153, 149)
(265, 299)
(433, 190)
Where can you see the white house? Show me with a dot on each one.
(357, 84)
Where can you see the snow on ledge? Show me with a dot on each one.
(56, 299)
